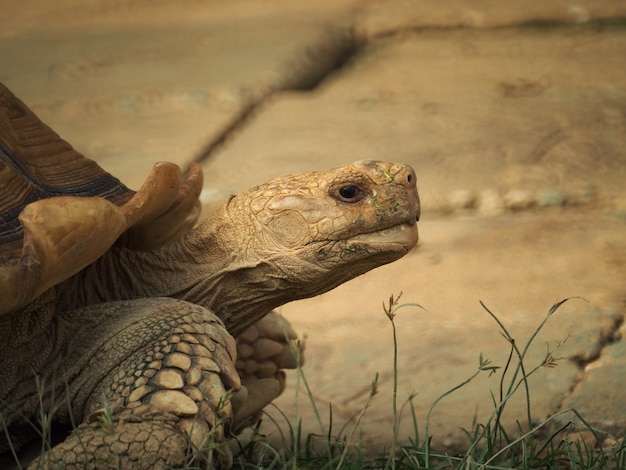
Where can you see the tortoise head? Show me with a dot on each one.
(322, 228)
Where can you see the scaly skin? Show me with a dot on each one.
(163, 391)
(167, 366)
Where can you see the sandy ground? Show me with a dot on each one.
(514, 119)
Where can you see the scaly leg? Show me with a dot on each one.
(263, 351)
(166, 370)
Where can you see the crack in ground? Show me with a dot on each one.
(612, 336)
(607, 338)
(305, 72)
(336, 48)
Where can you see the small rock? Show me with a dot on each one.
(551, 197)
(462, 199)
(490, 203)
(518, 199)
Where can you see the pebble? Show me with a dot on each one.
(551, 197)
(462, 199)
(518, 199)
(490, 203)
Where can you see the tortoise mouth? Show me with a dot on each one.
(402, 236)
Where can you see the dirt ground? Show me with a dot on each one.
(513, 118)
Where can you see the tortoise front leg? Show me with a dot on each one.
(167, 374)
(264, 350)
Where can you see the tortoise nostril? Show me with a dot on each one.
(411, 180)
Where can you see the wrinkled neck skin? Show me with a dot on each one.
(206, 267)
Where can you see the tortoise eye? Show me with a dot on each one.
(349, 193)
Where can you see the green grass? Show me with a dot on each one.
(549, 444)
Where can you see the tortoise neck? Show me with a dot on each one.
(203, 267)
(226, 279)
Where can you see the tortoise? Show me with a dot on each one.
(153, 333)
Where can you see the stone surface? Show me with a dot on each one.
(130, 86)
(523, 109)
(598, 395)
(536, 105)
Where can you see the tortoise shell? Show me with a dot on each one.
(60, 211)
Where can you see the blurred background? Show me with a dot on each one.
(513, 115)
